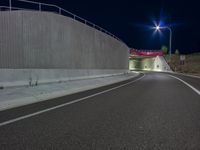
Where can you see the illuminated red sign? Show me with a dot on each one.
(146, 52)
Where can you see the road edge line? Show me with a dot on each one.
(187, 75)
(65, 104)
(190, 86)
(47, 96)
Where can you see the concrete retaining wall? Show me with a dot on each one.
(47, 46)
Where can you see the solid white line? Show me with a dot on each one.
(187, 75)
(193, 88)
(65, 104)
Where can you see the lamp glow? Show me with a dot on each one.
(157, 27)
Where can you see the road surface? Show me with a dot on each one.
(152, 111)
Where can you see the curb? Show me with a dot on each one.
(50, 95)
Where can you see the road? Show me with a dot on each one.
(153, 111)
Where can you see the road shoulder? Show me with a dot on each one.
(21, 96)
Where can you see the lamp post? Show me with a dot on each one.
(170, 38)
(10, 5)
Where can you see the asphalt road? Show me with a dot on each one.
(155, 111)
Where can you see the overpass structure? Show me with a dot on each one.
(148, 60)
(38, 46)
(147, 53)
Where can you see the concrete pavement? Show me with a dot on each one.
(155, 111)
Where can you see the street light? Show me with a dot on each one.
(170, 37)
(10, 5)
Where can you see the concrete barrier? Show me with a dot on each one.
(47, 47)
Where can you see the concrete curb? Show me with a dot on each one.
(24, 83)
(51, 95)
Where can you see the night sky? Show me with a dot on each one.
(132, 20)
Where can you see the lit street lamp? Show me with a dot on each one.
(170, 37)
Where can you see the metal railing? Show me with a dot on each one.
(57, 10)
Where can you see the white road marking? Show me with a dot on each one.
(65, 104)
(193, 88)
(188, 75)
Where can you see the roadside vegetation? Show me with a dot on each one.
(191, 64)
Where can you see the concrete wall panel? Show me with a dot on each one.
(42, 40)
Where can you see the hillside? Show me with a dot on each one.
(191, 65)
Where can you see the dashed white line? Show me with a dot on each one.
(65, 104)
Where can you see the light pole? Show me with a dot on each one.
(170, 38)
(10, 5)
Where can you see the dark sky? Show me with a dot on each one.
(131, 20)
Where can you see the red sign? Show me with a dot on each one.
(146, 53)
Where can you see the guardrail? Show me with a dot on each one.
(58, 10)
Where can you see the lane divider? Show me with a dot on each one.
(65, 104)
(190, 86)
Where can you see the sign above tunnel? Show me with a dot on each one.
(146, 53)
